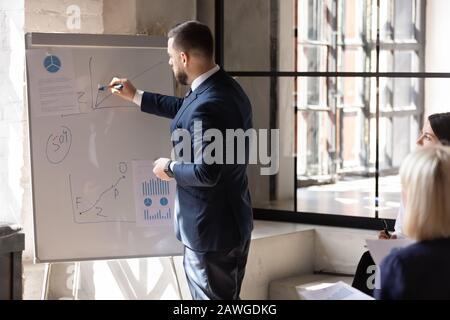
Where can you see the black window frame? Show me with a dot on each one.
(336, 220)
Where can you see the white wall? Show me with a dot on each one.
(437, 53)
(14, 172)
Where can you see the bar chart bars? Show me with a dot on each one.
(158, 215)
(155, 187)
(154, 198)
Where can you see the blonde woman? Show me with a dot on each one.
(422, 270)
(435, 131)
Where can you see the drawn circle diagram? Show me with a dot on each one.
(148, 202)
(58, 145)
(123, 167)
(52, 63)
(164, 201)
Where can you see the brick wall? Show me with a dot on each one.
(62, 16)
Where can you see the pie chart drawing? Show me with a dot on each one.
(52, 63)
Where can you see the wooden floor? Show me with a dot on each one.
(353, 198)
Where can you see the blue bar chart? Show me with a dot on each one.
(154, 198)
(158, 215)
(155, 187)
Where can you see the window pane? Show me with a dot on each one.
(314, 92)
(334, 168)
(399, 93)
(399, 19)
(352, 18)
(261, 35)
(315, 10)
(334, 130)
(386, 17)
(337, 150)
(354, 60)
(272, 191)
(404, 88)
(404, 131)
(353, 148)
(404, 23)
(317, 35)
(327, 184)
(403, 93)
(314, 151)
(313, 37)
(389, 199)
(312, 58)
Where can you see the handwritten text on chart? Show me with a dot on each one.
(58, 145)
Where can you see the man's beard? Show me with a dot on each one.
(182, 77)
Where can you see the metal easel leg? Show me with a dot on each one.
(46, 282)
(76, 280)
(172, 262)
(47, 269)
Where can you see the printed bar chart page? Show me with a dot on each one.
(154, 198)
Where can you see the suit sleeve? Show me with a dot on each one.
(393, 280)
(160, 105)
(201, 173)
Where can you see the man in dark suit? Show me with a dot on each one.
(213, 213)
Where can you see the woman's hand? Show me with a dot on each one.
(383, 236)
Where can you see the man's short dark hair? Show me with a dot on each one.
(193, 35)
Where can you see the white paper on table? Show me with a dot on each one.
(52, 82)
(154, 198)
(381, 248)
(332, 291)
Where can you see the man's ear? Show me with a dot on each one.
(184, 58)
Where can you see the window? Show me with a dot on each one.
(316, 70)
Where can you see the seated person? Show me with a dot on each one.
(421, 270)
(436, 131)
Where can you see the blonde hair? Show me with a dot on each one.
(425, 177)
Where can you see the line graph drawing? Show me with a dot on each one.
(98, 210)
(99, 218)
(97, 104)
(99, 97)
(95, 206)
(92, 83)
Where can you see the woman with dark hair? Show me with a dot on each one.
(436, 131)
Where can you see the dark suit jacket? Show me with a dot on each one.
(213, 210)
(419, 271)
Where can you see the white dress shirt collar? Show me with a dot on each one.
(201, 78)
